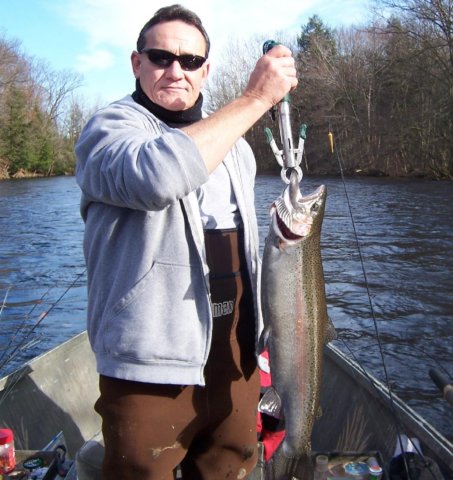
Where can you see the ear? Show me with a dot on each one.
(136, 62)
(206, 68)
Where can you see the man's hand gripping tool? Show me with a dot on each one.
(289, 158)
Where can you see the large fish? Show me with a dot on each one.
(295, 321)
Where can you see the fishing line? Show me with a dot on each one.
(362, 265)
(359, 365)
(16, 378)
(401, 343)
(426, 354)
(381, 394)
(4, 300)
(19, 329)
(338, 155)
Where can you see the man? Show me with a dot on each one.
(171, 246)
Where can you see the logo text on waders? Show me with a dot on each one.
(222, 308)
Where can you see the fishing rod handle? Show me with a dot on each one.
(443, 384)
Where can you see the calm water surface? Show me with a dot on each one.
(396, 234)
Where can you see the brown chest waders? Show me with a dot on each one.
(210, 431)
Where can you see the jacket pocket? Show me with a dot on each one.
(163, 318)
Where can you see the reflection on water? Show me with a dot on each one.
(400, 240)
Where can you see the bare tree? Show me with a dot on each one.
(231, 71)
(55, 88)
(429, 26)
(13, 70)
(34, 100)
(229, 79)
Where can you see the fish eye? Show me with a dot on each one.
(315, 207)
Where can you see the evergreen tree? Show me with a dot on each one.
(14, 131)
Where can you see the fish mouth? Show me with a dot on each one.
(293, 214)
(286, 231)
(289, 224)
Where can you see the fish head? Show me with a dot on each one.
(295, 216)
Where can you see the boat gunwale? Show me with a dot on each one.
(439, 445)
(440, 448)
(27, 367)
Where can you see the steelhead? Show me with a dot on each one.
(295, 321)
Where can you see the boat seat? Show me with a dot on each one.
(89, 459)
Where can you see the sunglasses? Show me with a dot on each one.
(164, 59)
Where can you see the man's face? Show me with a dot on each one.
(171, 87)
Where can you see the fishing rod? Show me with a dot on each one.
(4, 300)
(23, 343)
(18, 330)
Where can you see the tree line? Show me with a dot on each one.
(384, 90)
(39, 116)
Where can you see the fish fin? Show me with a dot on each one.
(330, 332)
(271, 404)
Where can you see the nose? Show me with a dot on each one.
(175, 71)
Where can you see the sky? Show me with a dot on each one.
(95, 38)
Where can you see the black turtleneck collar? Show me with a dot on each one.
(172, 119)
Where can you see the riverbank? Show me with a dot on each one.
(22, 174)
(19, 174)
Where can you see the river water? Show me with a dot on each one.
(396, 234)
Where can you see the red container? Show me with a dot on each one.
(7, 455)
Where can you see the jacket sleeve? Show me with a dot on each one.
(127, 159)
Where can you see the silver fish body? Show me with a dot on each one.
(295, 316)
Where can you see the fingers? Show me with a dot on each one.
(285, 61)
(279, 50)
(274, 76)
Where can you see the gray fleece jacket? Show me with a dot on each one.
(149, 313)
